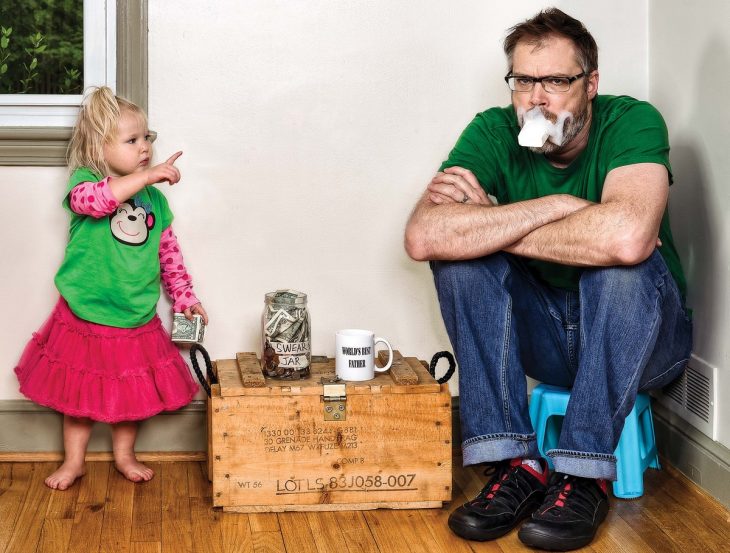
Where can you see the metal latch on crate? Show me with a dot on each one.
(334, 396)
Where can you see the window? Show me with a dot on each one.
(41, 48)
(35, 128)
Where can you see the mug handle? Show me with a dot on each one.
(390, 356)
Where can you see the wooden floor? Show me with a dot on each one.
(172, 513)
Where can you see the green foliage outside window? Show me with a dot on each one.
(41, 46)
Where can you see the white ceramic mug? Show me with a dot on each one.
(355, 354)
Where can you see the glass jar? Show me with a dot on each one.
(285, 335)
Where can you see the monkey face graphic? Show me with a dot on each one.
(130, 224)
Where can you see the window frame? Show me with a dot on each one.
(46, 146)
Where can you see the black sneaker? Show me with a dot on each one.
(573, 510)
(512, 494)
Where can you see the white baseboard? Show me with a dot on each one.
(701, 459)
(27, 427)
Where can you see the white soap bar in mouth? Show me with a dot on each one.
(533, 134)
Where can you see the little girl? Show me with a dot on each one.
(103, 354)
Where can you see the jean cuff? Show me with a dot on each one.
(585, 465)
(497, 447)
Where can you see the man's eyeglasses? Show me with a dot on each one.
(551, 83)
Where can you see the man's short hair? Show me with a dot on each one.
(552, 21)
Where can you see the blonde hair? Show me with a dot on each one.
(96, 126)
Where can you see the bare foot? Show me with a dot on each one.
(132, 469)
(66, 475)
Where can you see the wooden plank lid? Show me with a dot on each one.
(251, 375)
(243, 376)
(400, 371)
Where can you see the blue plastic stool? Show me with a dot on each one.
(636, 449)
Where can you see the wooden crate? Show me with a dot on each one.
(311, 446)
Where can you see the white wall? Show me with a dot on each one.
(689, 60)
(309, 130)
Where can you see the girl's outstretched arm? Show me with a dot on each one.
(124, 187)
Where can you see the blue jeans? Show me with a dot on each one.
(624, 331)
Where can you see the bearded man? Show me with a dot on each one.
(553, 259)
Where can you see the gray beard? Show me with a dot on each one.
(573, 125)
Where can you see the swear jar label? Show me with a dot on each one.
(292, 354)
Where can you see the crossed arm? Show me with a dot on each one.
(620, 230)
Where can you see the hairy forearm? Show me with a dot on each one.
(599, 235)
(621, 230)
(467, 231)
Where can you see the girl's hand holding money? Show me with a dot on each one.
(196, 309)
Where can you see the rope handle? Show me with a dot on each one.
(195, 348)
(449, 372)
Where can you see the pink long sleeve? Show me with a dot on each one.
(175, 278)
(93, 198)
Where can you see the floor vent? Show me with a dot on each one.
(692, 396)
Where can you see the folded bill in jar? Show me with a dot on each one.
(187, 332)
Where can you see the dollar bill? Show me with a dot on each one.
(287, 296)
(187, 332)
(290, 333)
(278, 320)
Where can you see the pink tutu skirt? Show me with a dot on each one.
(102, 372)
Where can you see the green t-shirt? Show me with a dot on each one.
(624, 131)
(110, 274)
